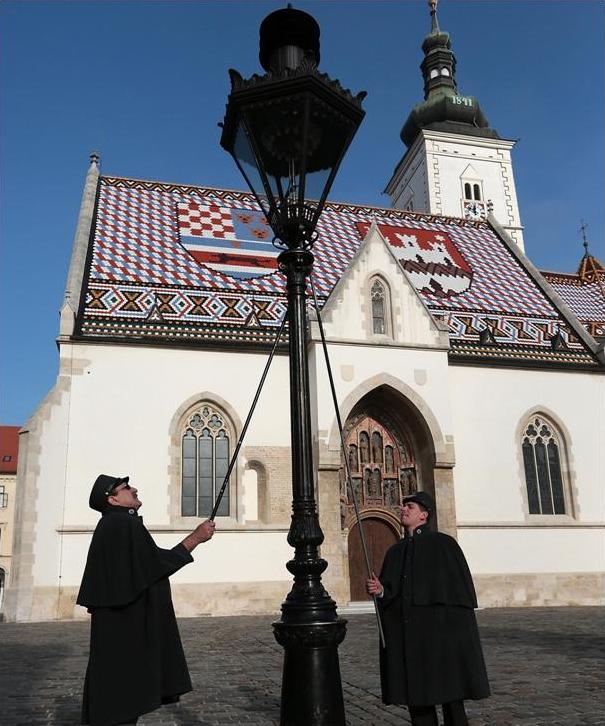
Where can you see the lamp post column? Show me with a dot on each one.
(310, 629)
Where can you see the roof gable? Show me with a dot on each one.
(347, 314)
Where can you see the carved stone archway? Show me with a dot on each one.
(407, 414)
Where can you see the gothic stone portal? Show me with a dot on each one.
(383, 471)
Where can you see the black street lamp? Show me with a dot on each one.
(288, 131)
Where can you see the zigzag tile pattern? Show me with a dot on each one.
(586, 299)
(142, 281)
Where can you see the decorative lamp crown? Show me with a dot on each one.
(289, 129)
(286, 38)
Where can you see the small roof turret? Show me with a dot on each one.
(590, 269)
(443, 109)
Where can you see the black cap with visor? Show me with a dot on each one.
(104, 487)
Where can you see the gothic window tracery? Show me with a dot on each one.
(541, 447)
(205, 451)
(378, 305)
(379, 298)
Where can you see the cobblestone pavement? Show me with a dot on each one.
(545, 666)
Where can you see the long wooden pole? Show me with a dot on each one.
(248, 418)
(346, 463)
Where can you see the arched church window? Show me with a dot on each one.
(434, 73)
(445, 72)
(477, 192)
(467, 191)
(541, 447)
(378, 307)
(205, 451)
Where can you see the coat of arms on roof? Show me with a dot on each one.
(235, 242)
(432, 260)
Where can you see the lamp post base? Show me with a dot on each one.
(311, 687)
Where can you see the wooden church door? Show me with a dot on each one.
(379, 535)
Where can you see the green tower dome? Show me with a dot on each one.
(443, 108)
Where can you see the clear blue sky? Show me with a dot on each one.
(145, 83)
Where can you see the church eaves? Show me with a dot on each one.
(186, 265)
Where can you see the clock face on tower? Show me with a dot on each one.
(473, 210)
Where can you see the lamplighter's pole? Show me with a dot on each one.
(310, 629)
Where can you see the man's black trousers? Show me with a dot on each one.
(453, 715)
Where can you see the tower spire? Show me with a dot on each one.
(434, 19)
(590, 269)
(443, 109)
(439, 64)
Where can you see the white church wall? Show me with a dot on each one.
(52, 460)
(114, 417)
(540, 549)
(411, 180)
(241, 556)
(126, 398)
(359, 369)
(490, 407)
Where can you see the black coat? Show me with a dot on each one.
(136, 658)
(433, 652)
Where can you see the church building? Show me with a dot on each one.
(460, 369)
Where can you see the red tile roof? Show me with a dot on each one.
(9, 449)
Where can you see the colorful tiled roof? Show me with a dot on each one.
(584, 292)
(184, 264)
(9, 449)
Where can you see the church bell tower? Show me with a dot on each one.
(455, 164)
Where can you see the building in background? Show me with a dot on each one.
(460, 369)
(9, 454)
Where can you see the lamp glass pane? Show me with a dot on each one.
(325, 148)
(246, 160)
(277, 127)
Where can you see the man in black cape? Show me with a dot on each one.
(427, 599)
(136, 658)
